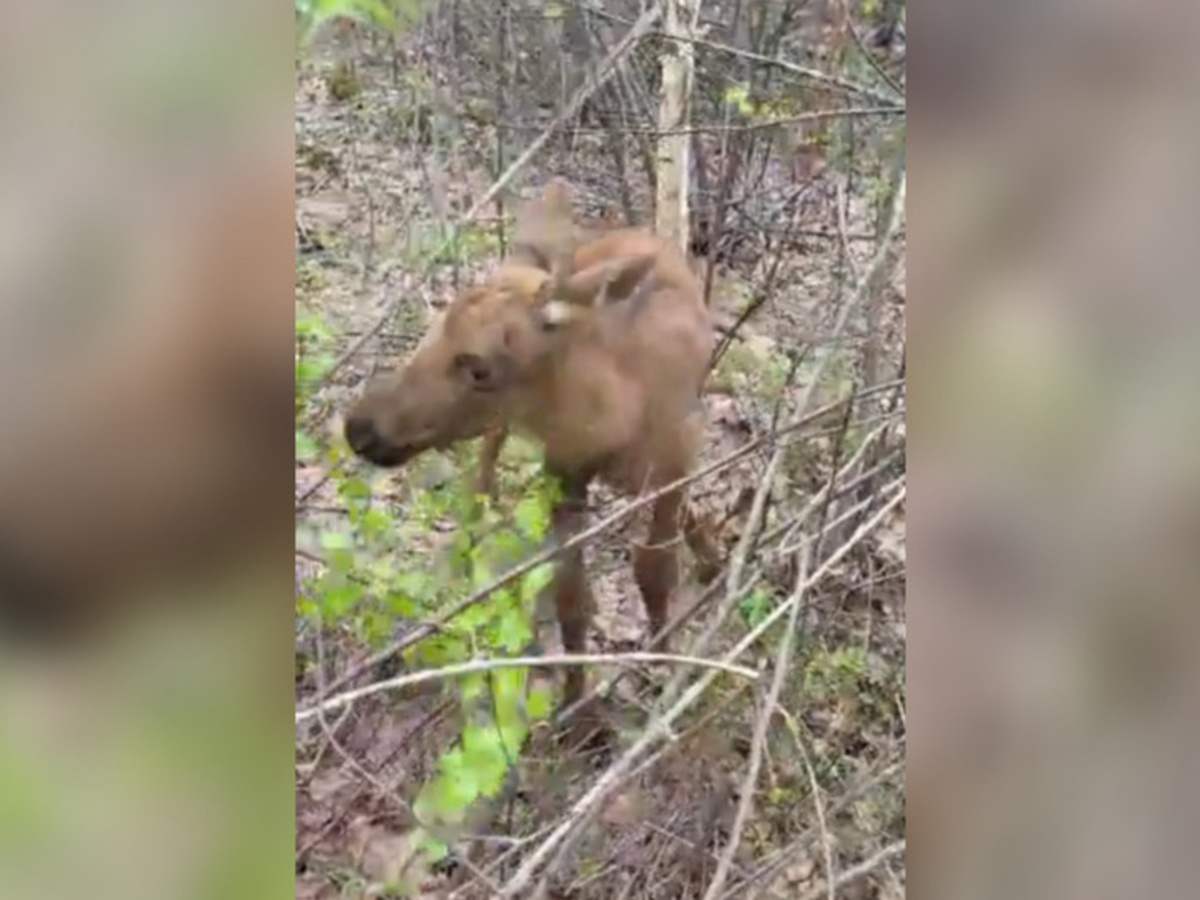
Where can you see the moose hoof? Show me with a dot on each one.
(588, 729)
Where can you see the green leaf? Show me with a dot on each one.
(738, 96)
(420, 586)
(485, 756)
(340, 560)
(481, 573)
(539, 704)
(513, 631)
(508, 686)
(459, 785)
(472, 686)
(436, 850)
(306, 447)
(338, 600)
(353, 489)
(536, 580)
(755, 607)
(376, 626)
(376, 523)
(532, 518)
(505, 545)
(336, 540)
(444, 800)
(401, 605)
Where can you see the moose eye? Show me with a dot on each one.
(476, 370)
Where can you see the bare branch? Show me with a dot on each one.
(864, 868)
(604, 72)
(660, 727)
(783, 658)
(537, 662)
(802, 71)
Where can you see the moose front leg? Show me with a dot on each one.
(573, 601)
(656, 564)
(489, 456)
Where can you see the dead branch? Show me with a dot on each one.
(488, 665)
(782, 661)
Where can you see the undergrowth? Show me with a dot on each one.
(377, 579)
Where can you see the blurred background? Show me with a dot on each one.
(1054, 590)
(145, 510)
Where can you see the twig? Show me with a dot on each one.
(861, 506)
(782, 660)
(779, 858)
(862, 48)
(803, 71)
(745, 544)
(881, 253)
(660, 727)
(747, 540)
(866, 867)
(790, 526)
(487, 665)
(478, 874)
(329, 731)
(651, 760)
(607, 68)
(816, 115)
(732, 597)
(605, 71)
(818, 804)
(844, 243)
(358, 343)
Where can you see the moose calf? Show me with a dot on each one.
(596, 346)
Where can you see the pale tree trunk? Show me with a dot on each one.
(671, 202)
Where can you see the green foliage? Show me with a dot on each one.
(755, 368)
(438, 246)
(313, 359)
(737, 97)
(390, 15)
(755, 607)
(310, 367)
(849, 674)
(378, 575)
(831, 674)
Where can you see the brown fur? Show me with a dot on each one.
(595, 345)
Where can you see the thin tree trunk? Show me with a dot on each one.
(674, 145)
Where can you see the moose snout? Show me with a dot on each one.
(362, 435)
(368, 442)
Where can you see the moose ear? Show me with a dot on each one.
(545, 229)
(606, 282)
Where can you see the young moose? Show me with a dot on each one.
(597, 347)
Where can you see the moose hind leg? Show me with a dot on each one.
(697, 531)
(656, 564)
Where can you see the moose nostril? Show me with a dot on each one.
(360, 434)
